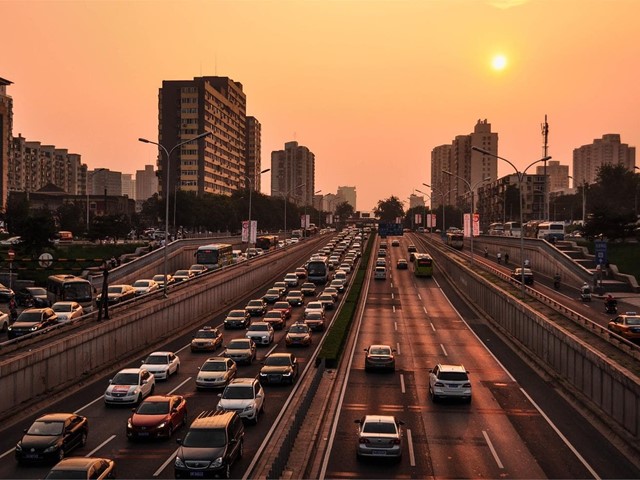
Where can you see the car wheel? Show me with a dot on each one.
(184, 419)
(177, 369)
(170, 431)
(83, 439)
(255, 419)
(434, 399)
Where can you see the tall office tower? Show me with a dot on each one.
(215, 164)
(293, 173)
(103, 181)
(349, 195)
(146, 183)
(6, 134)
(440, 184)
(416, 201)
(587, 159)
(253, 159)
(128, 185)
(558, 175)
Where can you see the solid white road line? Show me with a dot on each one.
(412, 456)
(171, 392)
(402, 388)
(100, 446)
(7, 452)
(166, 462)
(425, 310)
(88, 404)
(419, 297)
(433, 327)
(395, 326)
(493, 450)
(394, 308)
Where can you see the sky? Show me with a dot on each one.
(369, 86)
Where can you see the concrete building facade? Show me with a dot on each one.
(558, 175)
(128, 185)
(293, 174)
(349, 195)
(146, 183)
(6, 135)
(103, 181)
(587, 159)
(253, 157)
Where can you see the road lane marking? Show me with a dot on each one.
(394, 308)
(88, 404)
(433, 327)
(7, 452)
(391, 284)
(392, 297)
(412, 457)
(402, 383)
(398, 348)
(395, 326)
(166, 462)
(100, 446)
(171, 392)
(444, 350)
(419, 297)
(425, 310)
(493, 450)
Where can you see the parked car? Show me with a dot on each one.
(162, 364)
(157, 417)
(241, 350)
(379, 357)
(32, 297)
(449, 381)
(89, 468)
(245, 396)
(216, 372)
(51, 437)
(67, 311)
(144, 286)
(279, 368)
(206, 339)
(118, 294)
(237, 319)
(129, 386)
(32, 320)
(379, 436)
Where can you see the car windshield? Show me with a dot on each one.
(125, 379)
(279, 305)
(379, 427)
(314, 306)
(298, 329)
(314, 315)
(61, 307)
(142, 283)
(206, 334)
(215, 366)
(157, 360)
(295, 294)
(238, 392)
(255, 303)
(115, 289)
(183, 273)
(37, 291)
(258, 328)
(326, 298)
(62, 474)
(205, 438)
(273, 314)
(236, 313)
(30, 317)
(153, 408)
(277, 361)
(45, 428)
(308, 285)
(633, 321)
(238, 344)
(379, 351)
(273, 291)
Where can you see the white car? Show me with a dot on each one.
(316, 305)
(345, 266)
(162, 364)
(130, 385)
(4, 322)
(291, 279)
(245, 396)
(380, 273)
(145, 286)
(449, 381)
(67, 311)
(216, 372)
(261, 333)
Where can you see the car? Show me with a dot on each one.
(130, 386)
(412, 248)
(340, 275)
(626, 325)
(241, 350)
(261, 333)
(299, 334)
(51, 437)
(32, 297)
(331, 290)
(118, 294)
(162, 364)
(381, 262)
(528, 275)
(282, 286)
(395, 242)
(183, 275)
(402, 264)
(272, 295)
(276, 318)
(4, 322)
(291, 279)
(379, 357)
(11, 241)
(449, 381)
(315, 320)
(214, 441)
(346, 266)
(279, 368)
(159, 279)
(144, 286)
(379, 436)
(383, 245)
(251, 252)
(295, 298)
(327, 300)
(312, 306)
(89, 468)
(380, 273)
(256, 307)
(6, 293)
(382, 253)
(285, 307)
(301, 272)
(67, 311)
(338, 285)
(158, 416)
(216, 372)
(32, 320)
(206, 339)
(308, 289)
(245, 396)
(198, 269)
(237, 319)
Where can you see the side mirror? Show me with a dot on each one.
(179, 441)
(110, 381)
(133, 410)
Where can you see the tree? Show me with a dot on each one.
(37, 231)
(16, 213)
(71, 217)
(344, 211)
(390, 209)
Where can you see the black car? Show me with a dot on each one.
(279, 368)
(256, 308)
(6, 293)
(272, 295)
(31, 320)
(32, 297)
(213, 443)
(51, 437)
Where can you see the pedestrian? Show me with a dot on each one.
(527, 263)
(486, 252)
(13, 310)
(499, 257)
(506, 258)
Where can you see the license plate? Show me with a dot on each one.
(143, 434)
(274, 378)
(379, 452)
(452, 386)
(196, 474)
(32, 455)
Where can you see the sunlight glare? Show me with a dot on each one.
(499, 62)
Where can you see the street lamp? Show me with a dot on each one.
(250, 190)
(286, 200)
(520, 179)
(319, 207)
(584, 199)
(166, 194)
(442, 194)
(471, 190)
(424, 220)
(305, 214)
(87, 188)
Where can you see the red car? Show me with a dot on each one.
(285, 307)
(157, 417)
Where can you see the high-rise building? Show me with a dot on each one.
(293, 173)
(349, 195)
(440, 184)
(416, 201)
(215, 164)
(128, 185)
(253, 157)
(558, 175)
(146, 183)
(587, 159)
(6, 135)
(103, 181)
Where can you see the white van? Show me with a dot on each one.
(380, 273)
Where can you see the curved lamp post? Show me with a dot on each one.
(444, 231)
(520, 175)
(166, 194)
(286, 200)
(424, 220)
(250, 190)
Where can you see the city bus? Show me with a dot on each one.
(214, 256)
(551, 231)
(69, 288)
(267, 242)
(318, 270)
(422, 265)
(512, 229)
(455, 240)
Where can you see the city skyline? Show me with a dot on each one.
(370, 87)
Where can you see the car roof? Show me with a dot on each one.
(131, 370)
(160, 353)
(380, 418)
(451, 368)
(380, 346)
(281, 354)
(242, 381)
(76, 463)
(55, 417)
(160, 398)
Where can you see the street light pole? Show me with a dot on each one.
(166, 193)
(520, 179)
(424, 220)
(250, 190)
(286, 200)
(442, 194)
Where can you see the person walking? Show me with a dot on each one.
(499, 257)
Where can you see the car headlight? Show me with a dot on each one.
(34, 328)
(51, 448)
(287, 374)
(179, 463)
(249, 408)
(219, 407)
(263, 374)
(162, 425)
(129, 424)
(217, 462)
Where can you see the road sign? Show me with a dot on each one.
(45, 260)
(600, 247)
(11, 254)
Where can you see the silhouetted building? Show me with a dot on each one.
(146, 183)
(253, 156)
(6, 134)
(293, 173)
(587, 159)
(349, 195)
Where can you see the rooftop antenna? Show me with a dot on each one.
(545, 148)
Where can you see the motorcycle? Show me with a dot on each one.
(611, 306)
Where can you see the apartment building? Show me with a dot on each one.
(558, 175)
(6, 135)
(293, 173)
(587, 159)
(253, 156)
(349, 195)
(146, 183)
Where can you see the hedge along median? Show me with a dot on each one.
(337, 335)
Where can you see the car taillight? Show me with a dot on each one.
(363, 441)
(396, 441)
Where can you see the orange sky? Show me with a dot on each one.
(369, 86)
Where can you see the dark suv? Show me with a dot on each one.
(214, 441)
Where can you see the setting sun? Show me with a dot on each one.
(499, 62)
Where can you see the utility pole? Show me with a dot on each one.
(545, 147)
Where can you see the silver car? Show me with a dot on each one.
(379, 436)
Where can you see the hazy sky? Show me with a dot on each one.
(370, 87)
